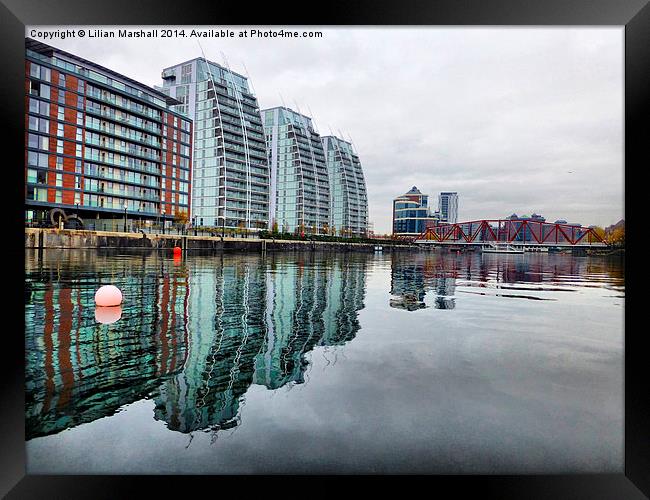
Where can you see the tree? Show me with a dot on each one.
(274, 227)
(617, 236)
(181, 217)
(241, 227)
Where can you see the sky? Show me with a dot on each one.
(516, 120)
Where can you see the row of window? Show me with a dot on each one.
(122, 131)
(123, 102)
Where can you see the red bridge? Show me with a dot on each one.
(514, 232)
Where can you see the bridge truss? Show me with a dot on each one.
(511, 231)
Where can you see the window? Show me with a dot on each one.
(37, 159)
(39, 72)
(186, 73)
(37, 141)
(39, 107)
(39, 89)
(34, 70)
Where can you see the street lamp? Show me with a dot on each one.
(125, 207)
(163, 220)
(223, 226)
(194, 224)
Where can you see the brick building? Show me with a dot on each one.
(100, 144)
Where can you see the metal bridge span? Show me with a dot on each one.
(514, 232)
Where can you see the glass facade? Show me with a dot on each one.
(411, 213)
(348, 197)
(100, 142)
(231, 173)
(448, 207)
(300, 191)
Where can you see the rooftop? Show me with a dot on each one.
(49, 51)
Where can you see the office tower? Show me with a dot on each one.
(411, 213)
(100, 144)
(230, 168)
(448, 207)
(300, 191)
(348, 198)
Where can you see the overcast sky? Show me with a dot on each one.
(515, 120)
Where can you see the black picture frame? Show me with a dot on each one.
(633, 14)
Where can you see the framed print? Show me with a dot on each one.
(381, 240)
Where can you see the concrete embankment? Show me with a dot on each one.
(80, 239)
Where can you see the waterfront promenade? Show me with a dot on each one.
(83, 239)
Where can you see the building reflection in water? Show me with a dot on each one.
(195, 335)
(254, 323)
(79, 370)
(413, 276)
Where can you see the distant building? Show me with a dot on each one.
(411, 213)
(448, 207)
(526, 235)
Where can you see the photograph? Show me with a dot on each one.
(339, 250)
(381, 243)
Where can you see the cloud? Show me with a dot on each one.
(515, 120)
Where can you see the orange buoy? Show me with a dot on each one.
(108, 295)
(108, 315)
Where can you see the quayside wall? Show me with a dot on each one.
(82, 239)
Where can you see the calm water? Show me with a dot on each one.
(325, 363)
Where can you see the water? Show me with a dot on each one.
(325, 363)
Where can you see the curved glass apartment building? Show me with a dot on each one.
(230, 170)
(300, 191)
(348, 197)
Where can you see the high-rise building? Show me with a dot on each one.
(448, 207)
(300, 191)
(100, 143)
(348, 197)
(411, 213)
(230, 166)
